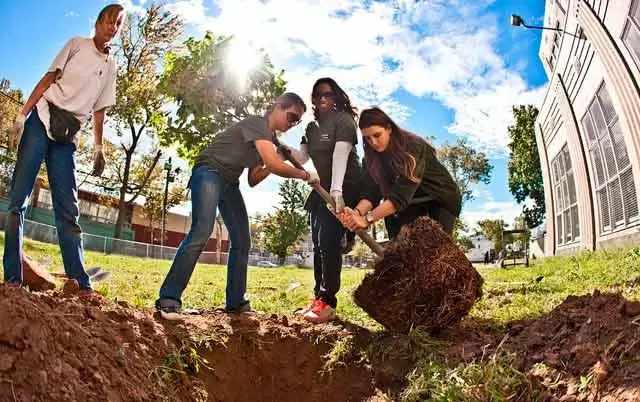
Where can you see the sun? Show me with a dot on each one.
(241, 58)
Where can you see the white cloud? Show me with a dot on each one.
(484, 206)
(505, 210)
(71, 14)
(193, 12)
(131, 7)
(440, 49)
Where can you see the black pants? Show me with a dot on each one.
(431, 209)
(326, 233)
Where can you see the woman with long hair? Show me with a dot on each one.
(330, 142)
(214, 185)
(401, 169)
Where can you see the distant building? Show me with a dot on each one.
(98, 218)
(481, 247)
(588, 129)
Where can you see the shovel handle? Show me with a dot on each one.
(364, 236)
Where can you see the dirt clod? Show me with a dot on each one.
(423, 280)
(36, 276)
(70, 287)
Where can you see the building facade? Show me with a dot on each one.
(588, 128)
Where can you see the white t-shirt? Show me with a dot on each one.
(86, 82)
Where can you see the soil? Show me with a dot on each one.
(58, 346)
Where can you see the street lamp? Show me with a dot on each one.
(517, 21)
(170, 179)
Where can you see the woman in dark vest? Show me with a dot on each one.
(402, 170)
(330, 143)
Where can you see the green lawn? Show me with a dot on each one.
(508, 293)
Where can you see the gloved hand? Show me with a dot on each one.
(313, 178)
(16, 131)
(98, 160)
(336, 195)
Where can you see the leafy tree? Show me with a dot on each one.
(139, 113)
(467, 165)
(492, 230)
(154, 196)
(464, 242)
(525, 174)
(285, 227)
(460, 230)
(211, 93)
(256, 228)
(11, 103)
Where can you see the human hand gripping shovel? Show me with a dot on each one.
(364, 236)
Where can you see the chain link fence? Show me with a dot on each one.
(108, 245)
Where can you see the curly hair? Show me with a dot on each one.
(343, 103)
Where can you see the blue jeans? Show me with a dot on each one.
(209, 191)
(35, 147)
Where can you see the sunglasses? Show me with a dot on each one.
(293, 118)
(320, 95)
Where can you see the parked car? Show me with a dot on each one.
(266, 264)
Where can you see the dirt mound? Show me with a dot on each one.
(595, 336)
(587, 348)
(60, 347)
(423, 280)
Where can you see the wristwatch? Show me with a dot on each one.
(369, 217)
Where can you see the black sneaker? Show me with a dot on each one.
(245, 307)
(169, 309)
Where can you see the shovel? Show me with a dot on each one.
(96, 274)
(364, 236)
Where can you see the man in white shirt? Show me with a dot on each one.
(80, 81)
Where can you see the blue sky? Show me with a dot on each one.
(443, 68)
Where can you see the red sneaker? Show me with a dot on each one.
(308, 308)
(321, 312)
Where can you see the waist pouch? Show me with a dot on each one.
(63, 124)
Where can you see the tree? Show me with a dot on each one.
(153, 195)
(467, 166)
(285, 227)
(213, 91)
(256, 228)
(11, 103)
(139, 111)
(492, 230)
(525, 174)
(218, 230)
(460, 235)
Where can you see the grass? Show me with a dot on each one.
(519, 293)
(509, 294)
